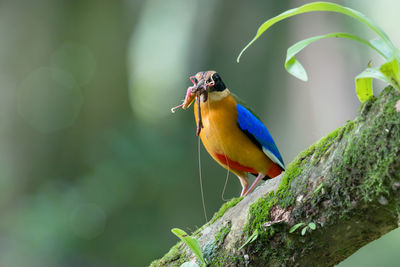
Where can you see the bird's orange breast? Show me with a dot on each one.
(225, 141)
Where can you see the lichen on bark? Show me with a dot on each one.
(347, 184)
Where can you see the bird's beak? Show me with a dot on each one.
(190, 96)
(191, 93)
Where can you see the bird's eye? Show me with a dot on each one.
(195, 80)
(219, 84)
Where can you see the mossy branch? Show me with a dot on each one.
(345, 189)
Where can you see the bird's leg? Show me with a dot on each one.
(258, 179)
(244, 191)
(244, 181)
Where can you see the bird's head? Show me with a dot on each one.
(206, 83)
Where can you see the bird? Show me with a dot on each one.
(231, 133)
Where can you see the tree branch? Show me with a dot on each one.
(347, 184)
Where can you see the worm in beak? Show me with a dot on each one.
(192, 93)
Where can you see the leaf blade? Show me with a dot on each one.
(312, 226)
(304, 230)
(382, 46)
(320, 6)
(250, 239)
(295, 227)
(363, 82)
(191, 242)
(390, 70)
(293, 66)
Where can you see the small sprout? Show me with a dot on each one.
(192, 243)
(295, 227)
(303, 232)
(250, 239)
(318, 188)
(312, 226)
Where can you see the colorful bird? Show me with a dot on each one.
(231, 133)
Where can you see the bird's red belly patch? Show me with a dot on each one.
(274, 170)
(234, 164)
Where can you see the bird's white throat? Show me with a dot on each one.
(217, 96)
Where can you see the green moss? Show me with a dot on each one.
(173, 255)
(223, 259)
(213, 252)
(226, 260)
(224, 208)
(348, 181)
(294, 169)
(210, 252)
(374, 145)
(323, 146)
(220, 236)
(259, 214)
(259, 211)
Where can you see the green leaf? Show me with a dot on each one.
(383, 47)
(321, 6)
(391, 71)
(364, 83)
(189, 264)
(303, 232)
(364, 87)
(191, 242)
(318, 188)
(387, 72)
(295, 227)
(312, 226)
(296, 69)
(250, 239)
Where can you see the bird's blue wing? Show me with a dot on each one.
(257, 131)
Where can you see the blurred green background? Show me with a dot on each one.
(94, 168)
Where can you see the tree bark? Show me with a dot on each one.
(343, 192)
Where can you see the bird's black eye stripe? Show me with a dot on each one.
(219, 84)
(195, 80)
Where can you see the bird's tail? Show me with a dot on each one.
(274, 170)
